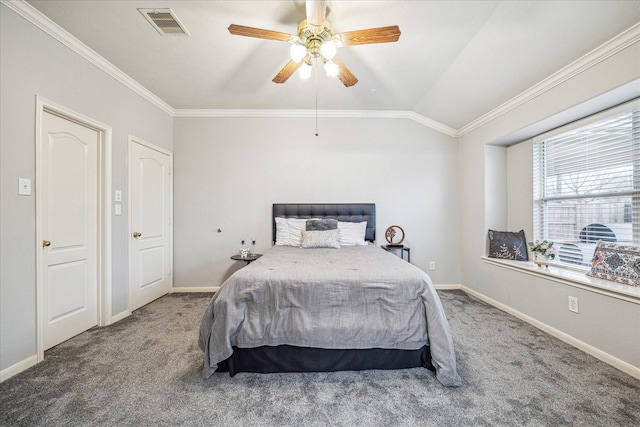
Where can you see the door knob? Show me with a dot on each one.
(137, 234)
(46, 243)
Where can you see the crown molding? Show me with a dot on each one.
(35, 17)
(354, 114)
(582, 64)
(591, 59)
(41, 21)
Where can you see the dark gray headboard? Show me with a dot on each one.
(346, 212)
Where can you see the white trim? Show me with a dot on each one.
(448, 287)
(140, 141)
(591, 59)
(194, 289)
(104, 214)
(599, 354)
(118, 317)
(609, 112)
(625, 367)
(41, 21)
(353, 114)
(576, 278)
(106, 272)
(16, 368)
(131, 139)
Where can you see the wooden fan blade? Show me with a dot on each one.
(241, 30)
(344, 74)
(316, 12)
(370, 36)
(287, 71)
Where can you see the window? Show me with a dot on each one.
(587, 186)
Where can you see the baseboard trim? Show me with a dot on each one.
(15, 369)
(120, 316)
(448, 287)
(194, 289)
(623, 366)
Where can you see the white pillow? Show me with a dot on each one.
(296, 226)
(352, 233)
(282, 232)
(288, 231)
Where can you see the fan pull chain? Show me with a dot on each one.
(315, 70)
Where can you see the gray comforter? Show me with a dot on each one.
(354, 297)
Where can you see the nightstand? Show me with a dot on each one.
(248, 259)
(399, 248)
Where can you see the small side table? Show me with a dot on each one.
(401, 248)
(248, 259)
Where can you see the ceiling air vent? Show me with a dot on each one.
(164, 21)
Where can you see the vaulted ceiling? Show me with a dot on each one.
(454, 62)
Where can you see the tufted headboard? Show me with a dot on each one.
(346, 212)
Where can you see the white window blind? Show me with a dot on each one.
(587, 187)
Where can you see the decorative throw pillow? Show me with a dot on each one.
(352, 233)
(322, 224)
(617, 263)
(320, 239)
(508, 245)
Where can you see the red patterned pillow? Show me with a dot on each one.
(618, 263)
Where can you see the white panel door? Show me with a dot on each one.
(69, 221)
(151, 198)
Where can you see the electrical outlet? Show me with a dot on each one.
(432, 265)
(573, 304)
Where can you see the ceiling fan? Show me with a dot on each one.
(315, 39)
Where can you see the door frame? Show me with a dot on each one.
(130, 141)
(104, 214)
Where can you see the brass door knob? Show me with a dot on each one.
(46, 243)
(137, 234)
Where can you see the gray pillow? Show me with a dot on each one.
(322, 224)
(320, 239)
(508, 245)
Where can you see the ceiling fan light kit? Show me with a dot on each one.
(297, 52)
(305, 71)
(331, 68)
(315, 39)
(328, 49)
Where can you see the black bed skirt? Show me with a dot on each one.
(286, 358)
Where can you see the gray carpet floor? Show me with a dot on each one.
(146, 370)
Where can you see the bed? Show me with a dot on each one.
(316, 305)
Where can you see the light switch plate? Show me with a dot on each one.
(24, 186)
(118, 209)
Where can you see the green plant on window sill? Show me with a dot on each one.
(543, 248)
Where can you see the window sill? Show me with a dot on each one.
(571, 277)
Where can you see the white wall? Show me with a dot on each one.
(229, 171)
(33, 63)
(495, 181)
(608, 324)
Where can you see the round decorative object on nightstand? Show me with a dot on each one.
(392, 235)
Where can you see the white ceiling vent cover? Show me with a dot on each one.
(165, 22)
